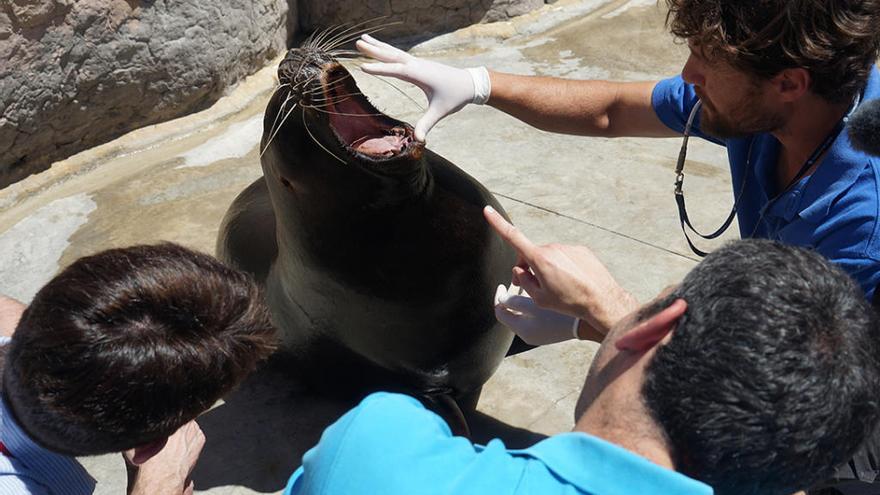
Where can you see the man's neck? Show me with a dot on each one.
(629, 429)
(809, 125)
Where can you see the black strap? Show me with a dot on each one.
(685, 221)
(679, 181)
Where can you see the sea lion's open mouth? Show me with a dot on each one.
(359, 126)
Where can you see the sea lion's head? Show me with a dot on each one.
(318, 118)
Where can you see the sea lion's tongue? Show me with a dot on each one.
(384, 145)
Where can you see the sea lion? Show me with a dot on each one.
(378, 266)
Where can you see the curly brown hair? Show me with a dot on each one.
(837, 41)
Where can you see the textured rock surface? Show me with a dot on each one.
(416, 17)
(74, 74)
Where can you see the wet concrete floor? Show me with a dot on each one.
(175, 180)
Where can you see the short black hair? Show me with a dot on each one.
(123, 347)
(770, 379)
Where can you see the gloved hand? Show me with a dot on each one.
(533, 324)
(448, 89)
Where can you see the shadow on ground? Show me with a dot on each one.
(257, 438)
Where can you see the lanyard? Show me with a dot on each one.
(679, 193)
(679, 178)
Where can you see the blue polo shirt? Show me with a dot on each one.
(834, 211)
(391, 444)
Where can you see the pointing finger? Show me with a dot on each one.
(512, 235)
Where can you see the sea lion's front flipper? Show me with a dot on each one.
(247, 234)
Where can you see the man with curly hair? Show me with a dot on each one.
(776, 79)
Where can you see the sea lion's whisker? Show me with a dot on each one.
(278, 115)
(410, 98)
(309, 131)
(323, 105)
(339, 30)
(308, 43)
(341, 53)
(345, 114)
(354, 36)
(325, 33)
(272, 136)
(335, 98)
(272, 129)
(347, 32)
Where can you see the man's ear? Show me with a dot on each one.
(650, 332)
(144, 453)
(792, 84)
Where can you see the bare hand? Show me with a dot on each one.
(168, 471)
(567, 279)
(10, 313)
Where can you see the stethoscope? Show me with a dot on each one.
(679, 177)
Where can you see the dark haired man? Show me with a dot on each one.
(732, 382)
(119, 353)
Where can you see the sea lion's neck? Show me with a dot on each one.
(325, 203)
(383, 191)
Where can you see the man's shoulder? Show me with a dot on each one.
(391, 444)
(380, 420)
(383, 410)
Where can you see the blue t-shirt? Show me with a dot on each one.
(391, 444)
(834, 211)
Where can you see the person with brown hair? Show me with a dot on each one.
(120, 352)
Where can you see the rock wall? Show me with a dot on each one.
(77, 73)
(418, 18)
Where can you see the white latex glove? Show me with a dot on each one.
(533, 324)
(448, 89)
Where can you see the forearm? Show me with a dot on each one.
(155, 483)
(596, 322)
(587, 108)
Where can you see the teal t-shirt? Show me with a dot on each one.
(390, 444)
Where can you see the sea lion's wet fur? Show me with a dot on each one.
(379, 270)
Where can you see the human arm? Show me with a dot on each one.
(586, 108)
(10, 313)
(566, 279)
(590, 108)
(167, 471)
